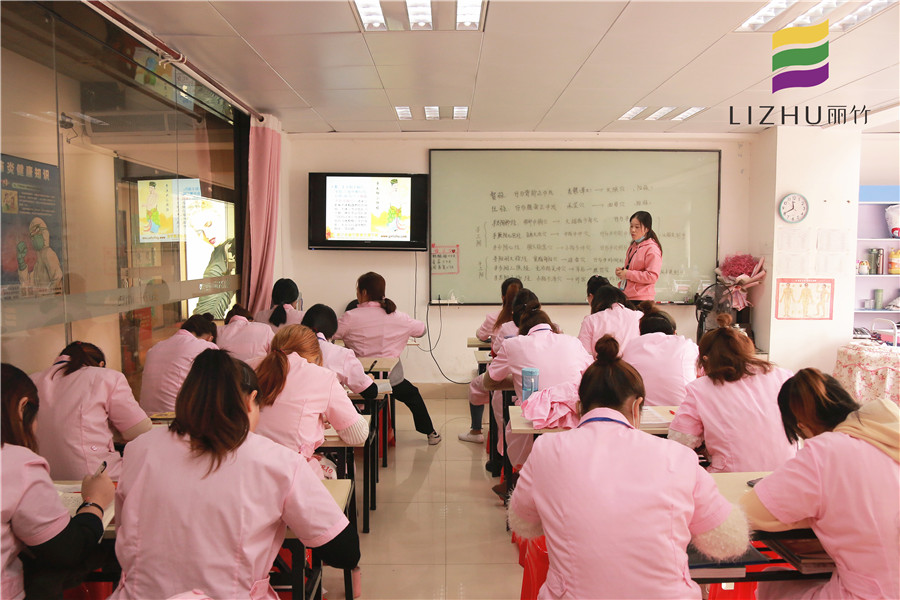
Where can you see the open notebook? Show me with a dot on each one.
(70, 494)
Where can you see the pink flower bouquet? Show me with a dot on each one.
(740, 272)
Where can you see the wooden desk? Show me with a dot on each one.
(370, 464)
(482, 357)
(655, 421)
(378, 406)
(474, 342)
(378, 365)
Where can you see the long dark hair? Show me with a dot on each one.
(200, 325)
(727, 354)
(210, 408)
(655, 320)
(595, 283)
(817, 399)
(527, 312)
(508, 290)
(285, 291)
(15, 386)
(81, 354)
(606, 296)
(373, 285)
(321, 318)
(609, 381)
(646, 220)
(238, 311)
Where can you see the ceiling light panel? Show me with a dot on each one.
(688, 113)
(432, 113)
(468, 15)
(766, 14)
(660, 113)
(817, 13)
(371, 15)
(419, 12)
(632, 113)
(460, 112)
(403, 113)
(861, 14)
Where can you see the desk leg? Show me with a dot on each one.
(507, 464)
(494, 458)
(384, 431)
(366, 483)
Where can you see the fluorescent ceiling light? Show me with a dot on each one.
(660, 113)
(460, 112)
(468, 15)
(432, 113)
(817, 13)
(688, 113)
(403, 113)
(370, 14)
(632, 113)
(419, 12)
(861, 14)
(766, 14)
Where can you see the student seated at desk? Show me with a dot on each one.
(559, 358)
(376, 328)
(843, 484)
(168, 363)
(666, 361)
(611, 313)
(478, 396)
(733, 406)
(33, 516)
(242, 336)
(82, 401)
(322, 320)
(284, 310)
(298, 395)
(594, 283)
(618, 507)
(204, 504)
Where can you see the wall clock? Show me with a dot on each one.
(793, 208)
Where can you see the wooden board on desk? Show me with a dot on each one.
(655, 421)
(483, 357)
(474, 342)
(734, 485)
(378, 364)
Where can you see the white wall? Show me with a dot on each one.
(329, 276)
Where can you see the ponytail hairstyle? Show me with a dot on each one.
(606, 296)
(200, 325)
(285, 291)
(595, 283)
(210, 408)
(727, 354)
(814, 399)
(655, 320)
(373, 285)
(646, 220)
(13, 429)
(527, 312)
(273, 370)
(508, 290)
(322, 319)
(609, 381)
(238, 311)
(81, 354)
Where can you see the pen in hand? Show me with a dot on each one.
(100, 469)
(372, 367)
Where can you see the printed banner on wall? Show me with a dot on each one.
(804, 299)
(31, 228)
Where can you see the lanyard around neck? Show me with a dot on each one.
(597, 419)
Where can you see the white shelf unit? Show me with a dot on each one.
(872, 232)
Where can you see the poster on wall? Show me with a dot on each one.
(161, 205)
(804, 299)
(31, 225)
(209, 251)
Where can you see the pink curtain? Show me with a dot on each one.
(262, 212)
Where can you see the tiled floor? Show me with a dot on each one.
(439, 531)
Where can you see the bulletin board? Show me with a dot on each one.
(553, 218)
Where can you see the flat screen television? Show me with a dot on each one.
(368, 211)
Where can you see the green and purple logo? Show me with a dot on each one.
(795, 49)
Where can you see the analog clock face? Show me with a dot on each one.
(793, 208)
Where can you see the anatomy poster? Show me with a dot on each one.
(804, 299)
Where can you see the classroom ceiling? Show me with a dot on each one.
(535, 65)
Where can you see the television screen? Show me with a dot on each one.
(353, 211)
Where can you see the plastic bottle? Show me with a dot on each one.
(529, 381)
(894, 262)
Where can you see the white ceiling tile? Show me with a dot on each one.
(257, 17)
(577, 17)
(424, 47)
(434, 96)
(442, 125)
(354, 126)
(301, 76)
(366, 112)
(343, 98)
(176, 18)
(321, 51)
(424, 75)
(306, 120)
(267, 100)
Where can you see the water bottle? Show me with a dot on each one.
(529, 382)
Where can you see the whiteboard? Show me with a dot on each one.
(553, 218)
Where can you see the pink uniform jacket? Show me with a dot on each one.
(77, 410)
(344, 364)
(667, 363)
(486, 331)
(739, 421)
(244, 339)
(311, 394)
(850, 491)
(369, 331)
(643, 262)
(504, 332)
(31, 513)
(294, 317)
(165, 369)
(620, 322)
(180, 528)
(618, 508)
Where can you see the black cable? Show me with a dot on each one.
(431, 346)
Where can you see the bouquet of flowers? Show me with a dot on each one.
(738, 273)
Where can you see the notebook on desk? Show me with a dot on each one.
(805, 555)
(70, 495)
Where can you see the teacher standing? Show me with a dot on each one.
(643, 260)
